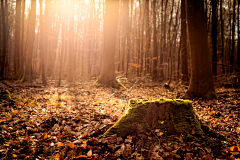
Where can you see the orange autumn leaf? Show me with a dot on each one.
(71, 145)
(45, 136)
(26, 139)
(57, 157)
(35, 130)
(14, 155)
(38, 117)
(60, 144)
(233, 148)
(16, 112)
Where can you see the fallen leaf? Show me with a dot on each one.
(71, 145)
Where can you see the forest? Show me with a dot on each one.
(119, 79)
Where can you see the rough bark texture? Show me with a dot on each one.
(184, 62)
(4, 52)
(155, 47)
(201, 83)
(17, 38)
(170, 116)
(42, 45)
(233, 38)
(107, 74)
(31, 34)
(214, 37)
(71, 44)
(238, 46)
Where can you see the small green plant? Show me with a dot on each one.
(6, 95)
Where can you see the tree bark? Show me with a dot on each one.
(22, 56)
(169, 116)
(62, 49)
(17, 38)
(184, 55)
(233, 39)
(201, 83)
(125, 18)
(107, 74)
(238, 54)
(4, 52)
(155, 47)
(71, 43)
(222, 36)
(148, 39)
(31, 35)
(43, 48)
(214, 37)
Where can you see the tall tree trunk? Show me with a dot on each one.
(222, 36)
(4, 31)
(184, 55)
(169, 40)
(107, 74)
(155, 47)
(62, 50)
(201, 83)
(42, 45)
(124, 31)
(90, 37)
(71, 43)
(22, 56)
(148, 38)
(164, 39)
(31, 35)
(129, 39)
(214, 37)
(233, 40)
(238, 55)
(17, 38)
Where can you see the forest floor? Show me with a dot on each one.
(49, 122)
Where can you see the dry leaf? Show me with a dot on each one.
(60, 144)
(89, 154)
(71, 145)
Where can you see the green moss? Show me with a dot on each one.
(178, 118)
(129, 121)
(186, 83)
(184, 119)
(6, 95)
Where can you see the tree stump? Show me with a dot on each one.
(170, 116)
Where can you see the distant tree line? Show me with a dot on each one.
(64, 40)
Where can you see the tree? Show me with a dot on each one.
(201, 83)
(31, 35)
(4, 52)
(148, 39)
(71, 43)
(214, 37)
(222, 35)
(238, 53)
(43, 47)
(107, 74)
(184, 61)
(17, 38)
(155, 47)
(22, 60)
(233, 40)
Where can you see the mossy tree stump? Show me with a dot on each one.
(170, 116)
